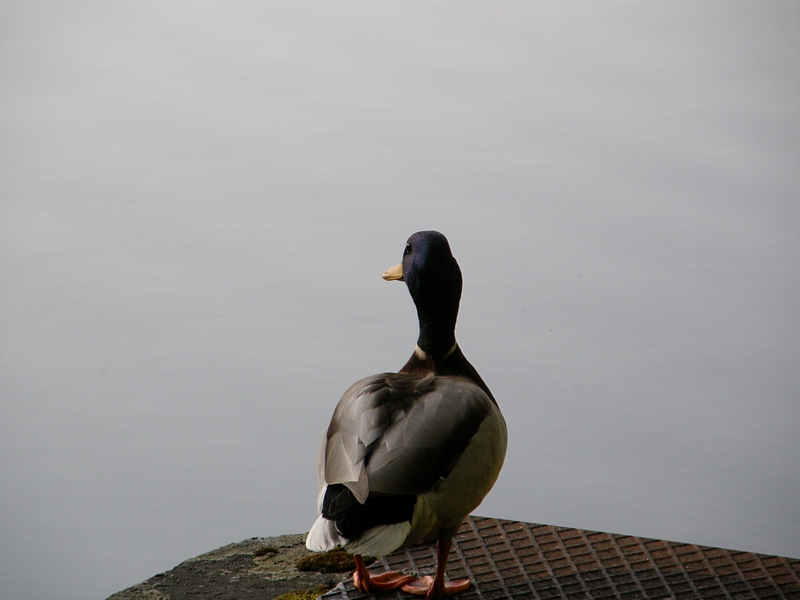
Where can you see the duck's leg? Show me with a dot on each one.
(373, 583)
(436, 586)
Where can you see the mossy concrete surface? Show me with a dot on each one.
(258, 568)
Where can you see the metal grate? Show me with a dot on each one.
(510, 559)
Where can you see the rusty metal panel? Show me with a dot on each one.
(510, 559)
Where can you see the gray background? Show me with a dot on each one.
(197, 202)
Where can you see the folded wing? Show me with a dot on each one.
(398, 434)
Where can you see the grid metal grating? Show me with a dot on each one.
(510, 559)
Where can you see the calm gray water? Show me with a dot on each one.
(197, 203)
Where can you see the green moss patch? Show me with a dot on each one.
(332, 561)
(265, 550)
(311, 594)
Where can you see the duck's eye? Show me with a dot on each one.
(408, 249)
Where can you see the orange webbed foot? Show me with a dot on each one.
(366, 582)
(427, 586)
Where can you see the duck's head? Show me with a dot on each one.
(434, 282)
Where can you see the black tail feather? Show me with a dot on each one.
(353, 518)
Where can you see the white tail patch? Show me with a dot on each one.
(323, 536)
(380, 540)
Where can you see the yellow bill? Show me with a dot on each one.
(395, 273)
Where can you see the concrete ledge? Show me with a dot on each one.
(255, 569)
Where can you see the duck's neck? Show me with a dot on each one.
(437, 337)
(453, 363)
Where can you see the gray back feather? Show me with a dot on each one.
(398, 434)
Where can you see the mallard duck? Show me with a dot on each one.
(408, 455)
